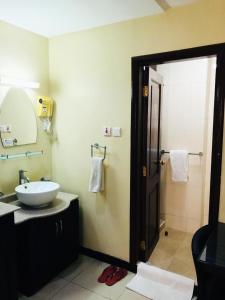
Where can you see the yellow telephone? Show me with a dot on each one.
(45, 107)
(45, 111)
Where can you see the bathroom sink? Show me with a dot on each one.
(37, 193)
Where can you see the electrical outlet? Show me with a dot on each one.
(107, 131)
(8, 142)
(5, 128)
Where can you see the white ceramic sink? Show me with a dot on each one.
(37, 193)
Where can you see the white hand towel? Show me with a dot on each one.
(96, 183)
(179, 165)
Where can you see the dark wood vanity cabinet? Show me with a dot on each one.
(45, 246)
(8, 277)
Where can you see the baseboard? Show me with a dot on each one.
(109, 259)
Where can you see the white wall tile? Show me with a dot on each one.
(186, 110)
(175, 222)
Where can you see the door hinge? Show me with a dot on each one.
(145, 91)
(144, 171)
(142, 245)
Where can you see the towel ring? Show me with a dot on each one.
(97, 146)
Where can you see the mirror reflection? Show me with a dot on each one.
(17, 119)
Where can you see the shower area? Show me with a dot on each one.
(187, 104)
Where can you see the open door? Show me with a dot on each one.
(150, 208)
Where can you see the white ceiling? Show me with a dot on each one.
(54, 17)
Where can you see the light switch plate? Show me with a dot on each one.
(116, 131)
(107, 131)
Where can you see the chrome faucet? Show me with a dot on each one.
(22, 177)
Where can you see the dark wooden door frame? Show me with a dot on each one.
(138, 62)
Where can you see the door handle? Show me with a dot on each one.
(56, 228)
(61, 226)
(159, 162)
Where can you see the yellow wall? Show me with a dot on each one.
(90, 73)
(24, 55)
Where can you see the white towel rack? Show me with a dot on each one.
(190, 153)
(97, 146)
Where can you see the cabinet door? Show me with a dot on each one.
(69, 241)
(46, 246)
(43, 241)
(8, 286)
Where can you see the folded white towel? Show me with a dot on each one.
(96, 183)
(179, 165)
(155, 283)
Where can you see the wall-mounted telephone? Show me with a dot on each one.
(45, 107)
(45, 111)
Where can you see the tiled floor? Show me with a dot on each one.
(79, 282)
(173, 253)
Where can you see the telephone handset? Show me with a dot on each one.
(45, 107)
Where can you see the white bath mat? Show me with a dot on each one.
(157, 284)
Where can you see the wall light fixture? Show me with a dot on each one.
(19, 82)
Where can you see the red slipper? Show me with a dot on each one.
(115, 277)
(106, 273)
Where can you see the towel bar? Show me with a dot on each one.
(190, 153)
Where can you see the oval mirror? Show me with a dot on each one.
(17, 112)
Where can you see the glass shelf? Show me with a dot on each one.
(18, 155)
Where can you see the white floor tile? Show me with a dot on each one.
(173, 253)
(81, 264)
(75, 292)
(79, 282)
(88, 279)
(129, 295)
(48, 291)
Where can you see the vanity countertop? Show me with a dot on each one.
(6, 208)
(25, 213)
